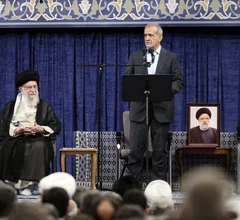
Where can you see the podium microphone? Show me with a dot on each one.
(145, 51)
(145, 63)
(151, 50)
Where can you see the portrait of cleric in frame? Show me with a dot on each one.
(203, 124)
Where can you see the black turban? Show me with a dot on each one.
(203, 111)
(26, 76)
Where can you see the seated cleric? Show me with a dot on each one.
(203, 133)
(26, 124)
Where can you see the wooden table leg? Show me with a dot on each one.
(62, 164)
(94, 168)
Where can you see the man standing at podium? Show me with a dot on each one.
(153, 59)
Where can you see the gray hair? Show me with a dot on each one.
(161, 206)
(158, 27)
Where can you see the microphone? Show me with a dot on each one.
(145, 51)
(151, 50)
(145, 63)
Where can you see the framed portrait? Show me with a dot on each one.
(203, 125)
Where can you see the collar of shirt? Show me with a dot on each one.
(153, 66)
(157, 52)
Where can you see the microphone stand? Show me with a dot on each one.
(99, 111)
(147, 92)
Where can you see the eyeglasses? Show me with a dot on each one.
(30, 87)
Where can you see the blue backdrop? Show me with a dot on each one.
(209, 58)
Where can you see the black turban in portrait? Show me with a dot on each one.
(203, 111)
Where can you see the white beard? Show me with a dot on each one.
(30, 102)
(203, 127)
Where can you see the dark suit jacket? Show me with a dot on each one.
(167, 64)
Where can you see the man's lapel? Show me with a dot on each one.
(161, 61)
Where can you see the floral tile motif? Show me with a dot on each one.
(118, 12)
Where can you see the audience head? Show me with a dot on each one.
(79, 193)
(162, 206)
(59, 179)
(29, 211)
(159, 197)
(129, 211)
(135, 197)
(125, 183)
(105, 205)
(113, 195)
(72, 208)
(205, 194)
(81, 217)
(8, 199)
(232, 207)
(88, 201)
(58, 197)
(50, 210)
(103, 208)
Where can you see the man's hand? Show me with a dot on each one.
(24, 131)
(37, 129)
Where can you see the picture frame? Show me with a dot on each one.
(203, 125)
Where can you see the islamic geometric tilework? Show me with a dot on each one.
(110, 166)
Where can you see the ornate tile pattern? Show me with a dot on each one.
(110, 166)
(93, 13)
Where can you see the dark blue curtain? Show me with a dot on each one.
(66, 58)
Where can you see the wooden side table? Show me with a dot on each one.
(185, 150)
(74, 151)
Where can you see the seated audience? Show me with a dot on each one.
(88, 201)
(78, 196)
(135, 197)
(125, 183)
(159, 197)
(129, 211)
(30, 211)
(8, 199)
(59, 198)
(26, 124)
(50, 210)
(105, 205)
(205, 195)
(58, 179)
(81, 217)
(64, 181)
(232, 208)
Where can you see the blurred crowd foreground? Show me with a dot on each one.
(208, 195)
